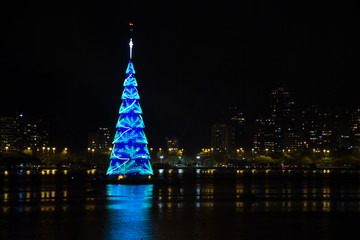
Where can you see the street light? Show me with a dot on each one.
(161, 158)
(198, 160)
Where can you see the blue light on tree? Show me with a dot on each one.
(130, 155)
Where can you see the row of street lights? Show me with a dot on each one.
(38, 149)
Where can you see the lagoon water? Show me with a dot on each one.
(191, 206)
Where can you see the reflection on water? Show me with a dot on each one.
(129, 208)
(185, 210)
(260, 197)
(244, 196)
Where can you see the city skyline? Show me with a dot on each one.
(287, 110)
(67, 66)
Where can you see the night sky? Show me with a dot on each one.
(66, 61)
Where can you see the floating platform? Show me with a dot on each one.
(129, 179)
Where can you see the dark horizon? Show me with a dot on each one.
(66, 62)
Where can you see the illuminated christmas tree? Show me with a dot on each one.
(130, 154)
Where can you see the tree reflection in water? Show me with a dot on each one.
(129, 211)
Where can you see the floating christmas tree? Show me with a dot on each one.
(130, 154)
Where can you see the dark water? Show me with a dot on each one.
(207, 207)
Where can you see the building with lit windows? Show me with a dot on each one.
(100, 140)
(234, 115)
(172, 145)
(265, 136)
(355, 129)
(293, 142)
(284, 113)
(34, 135)
(325, 130)
(315, 128)
(8, 132)
(18, 132)
(282, 107)
(243, 133)
(223, 138)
